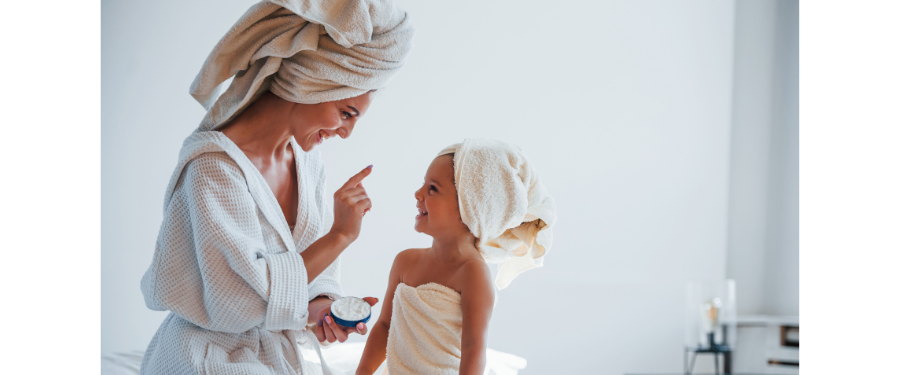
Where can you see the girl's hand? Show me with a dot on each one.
(328, 330)
(350, 205)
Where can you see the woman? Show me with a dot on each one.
(247, 257)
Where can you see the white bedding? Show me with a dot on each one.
(121, 363)
(342, 358)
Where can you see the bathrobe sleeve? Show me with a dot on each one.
(211, 266)
(328, 283)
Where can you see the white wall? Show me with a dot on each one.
(750, 139)
(624, 107)
(763, 242)
(783, 256)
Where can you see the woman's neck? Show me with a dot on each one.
(263, 130)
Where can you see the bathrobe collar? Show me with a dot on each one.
(213, 141)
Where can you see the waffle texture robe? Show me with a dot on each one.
(229, 269)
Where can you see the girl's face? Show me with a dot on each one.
(437, 202)
(315, 123)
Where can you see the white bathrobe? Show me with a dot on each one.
(229, 269)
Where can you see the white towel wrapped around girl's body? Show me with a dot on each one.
(426, 330)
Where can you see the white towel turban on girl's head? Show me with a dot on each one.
(504, 204)
(304, 51)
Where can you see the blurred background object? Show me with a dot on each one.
(710, 325)
(768, 344)
(666, 130)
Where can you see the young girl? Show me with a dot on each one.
(439, 299)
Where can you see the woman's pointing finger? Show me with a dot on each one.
(357, 178)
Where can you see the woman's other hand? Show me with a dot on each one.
(350, 205)
(328, 330)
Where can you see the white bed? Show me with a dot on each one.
(341, 358)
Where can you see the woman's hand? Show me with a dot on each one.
(350, 205)
(328, 330)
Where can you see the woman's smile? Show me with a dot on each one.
(422, 213)
(322, 136)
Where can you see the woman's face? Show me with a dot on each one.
(437, 201)
(316, 123)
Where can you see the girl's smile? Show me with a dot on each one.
(437, 202)
(422, 213)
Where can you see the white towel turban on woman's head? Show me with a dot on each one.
(504, 204)
(304, 51)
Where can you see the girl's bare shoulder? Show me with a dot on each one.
(408, 257)
(410, 254)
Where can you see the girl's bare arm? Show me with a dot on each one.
(477, 306)
(376, 345)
